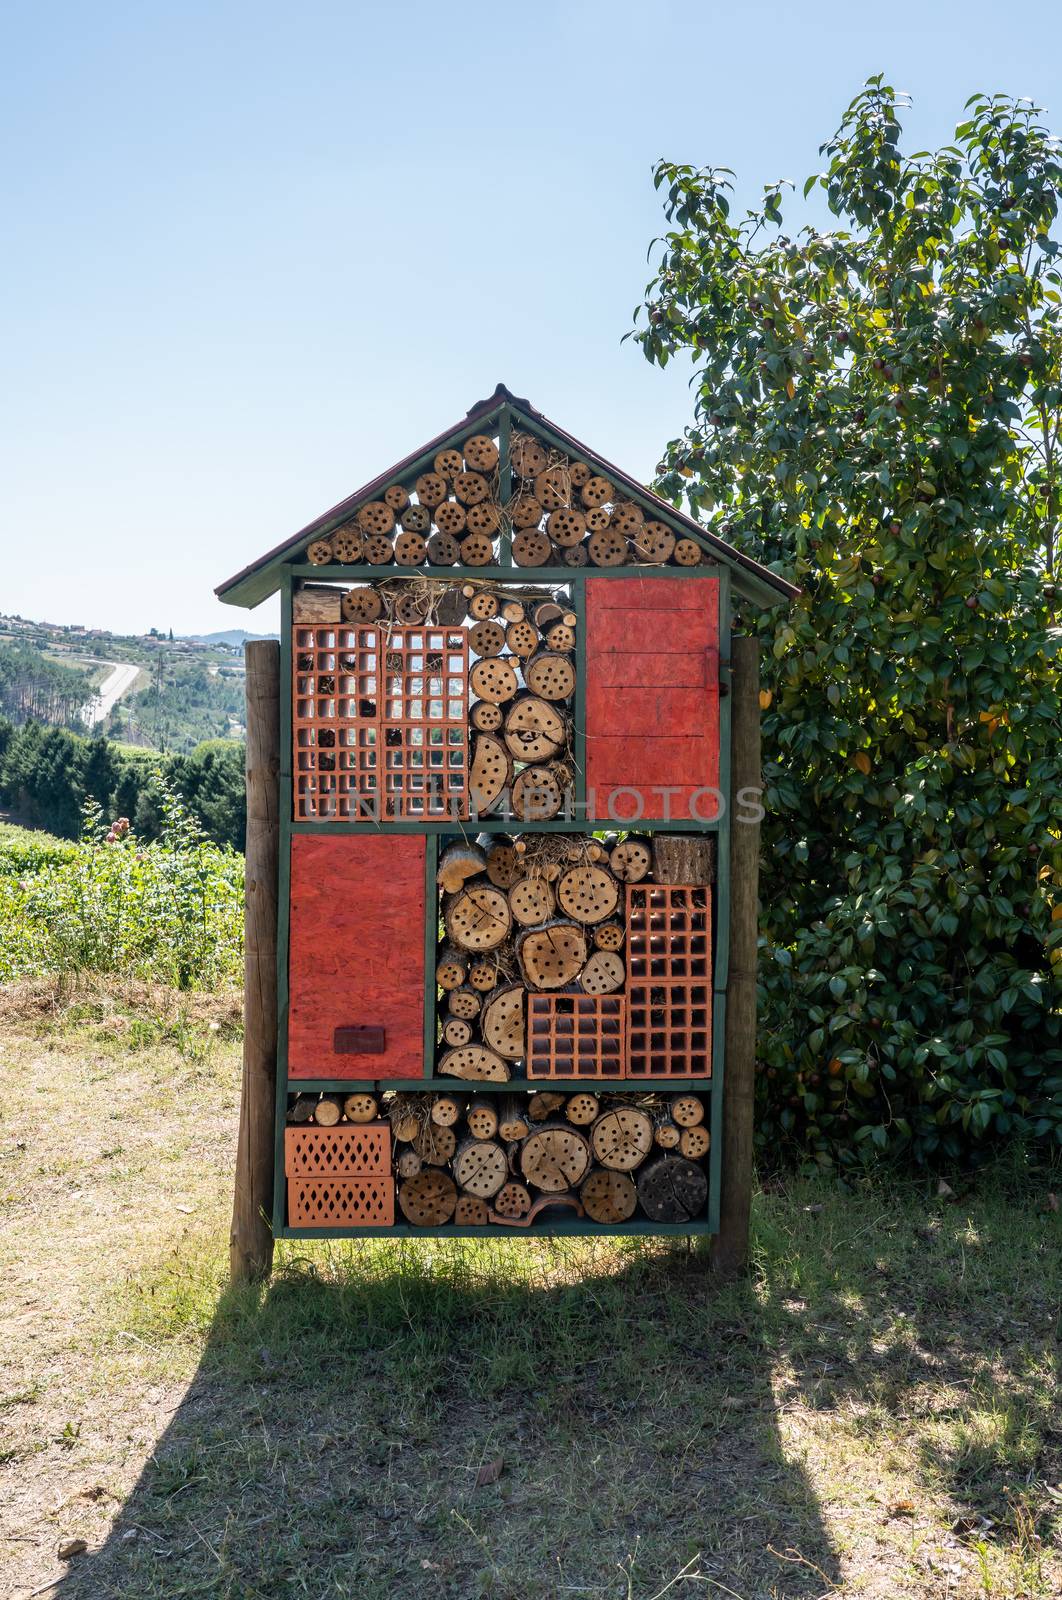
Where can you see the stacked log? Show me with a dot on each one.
(560, 512)
(503, 1159)
(521, 915)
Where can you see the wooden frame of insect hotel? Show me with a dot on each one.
(492, 775)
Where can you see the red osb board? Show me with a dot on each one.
(356, 954)
(652, 697)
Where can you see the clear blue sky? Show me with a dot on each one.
(255, 252)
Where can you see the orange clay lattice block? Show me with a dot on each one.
(575, 1036)
(380, 722)
(341, 1202)
(348, 1150)
(669, 981)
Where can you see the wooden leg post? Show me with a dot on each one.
(730, 1246)
(251, 1238)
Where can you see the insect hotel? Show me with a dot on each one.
(494, 797)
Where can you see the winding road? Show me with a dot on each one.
(114, 685)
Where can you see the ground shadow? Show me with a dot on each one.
(441, 1431)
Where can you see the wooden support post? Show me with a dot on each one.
(730, 1245)
(251, 1237)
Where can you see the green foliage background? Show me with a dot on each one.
(877, 417)
(47, 774)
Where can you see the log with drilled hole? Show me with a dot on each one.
(534, 729)
(694, 1142)
(513, 1121)
(552, 955)
(609, 1196)
(456, 1032)
(631, 859)
(471, 1212)
(360, 1107)
(588, 893)
(490, 773)
(543, 1104)
(434, 1144)
(687, 1110)
(475, 1063)
(502, 1021)
(444, 1110)
(482, 1118)
(622, 1137)
(458, 863)
(582, 1108)
(464, 1002)
(478, 918)
(531, 900)
(672, 1189)
(512, 1201)
(451, 968)
(429, 1199)
(538, 793)
(554, 1157)
(480, 1167)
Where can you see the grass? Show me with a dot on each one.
(873, 1413)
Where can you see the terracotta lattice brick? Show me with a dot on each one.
(341, 1202)
(380, 722)
(348, 1150)
(669, 981)
(575, 1036)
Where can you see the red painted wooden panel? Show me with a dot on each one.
(684, 802)
(651, 645)
(646, 632)
(626, 758)
(653, 594)
(356, 954)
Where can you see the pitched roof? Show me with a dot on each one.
(262, 577)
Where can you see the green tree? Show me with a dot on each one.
(878, 416)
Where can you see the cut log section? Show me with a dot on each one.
(653, 544)
(464, 1002)
(538, 794)
(553, 487)
(484, 518)
(504, 864)
(396, 497)
(527, 455)
(609, 936)
(376, 518)
(534, 729)
(596, 492)
(477, 549)
(494, 679)
(456, 1032)
(448, 463)
(451, 969)
(622, 1137)
(554, 1158)
(470, 488)
(484, 973)
(687, 1110)
(416, 519)
(487, 638)
(543, 1104)
(609, 1196)
(482, 1119)
(361, 605)
(582, 1108)
(672, 1189)
(626, 517)
(666, 1133)
(379, 550)
(478, 918)
(348, 545)
(685, 859)
(512, 1118)
(631, 859)
(408, 1163)
(445, 1110)
(411, 549)
(604, 973)
(432, 489)
(502, 1024)
(694, 1143)
(560, 637)
(482, 604)
(526, 511)
(552, 955)
(443, 550)
(607, 548)
(471, 1212)
(531, 548)
(688, 553)
(328, 1110)
(490, 774)
(512, 1202)
(475, 1063)
(458, 863)
(434, 1144)
(522, 637)
(587, 894)
(566, 527)
(481, 453)
(485, 717)
(481, 1167)
(549, 675)
(531, 900)
(450, 517)
(360, 1107)
(428, 1200)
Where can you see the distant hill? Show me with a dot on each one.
(230, 636)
